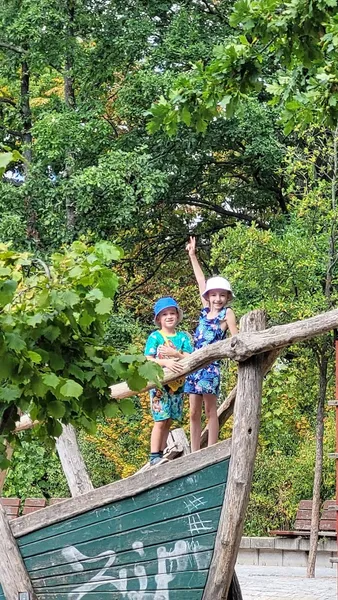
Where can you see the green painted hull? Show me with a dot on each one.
(154, 545)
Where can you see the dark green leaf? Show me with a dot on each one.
(112, 410)
(127, 406)
(15, 342)
(56, 409)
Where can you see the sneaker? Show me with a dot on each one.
(155, 461)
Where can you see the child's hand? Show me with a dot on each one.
(173, 365)
(169, 351)
(191, 246)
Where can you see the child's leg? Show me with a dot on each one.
(210, 405)
(165, 434)
(195, 421)
(159, 433)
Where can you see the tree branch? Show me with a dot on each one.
(8, 101)
(11, 131)
(222, 211)
(244, 345)
(12, 47)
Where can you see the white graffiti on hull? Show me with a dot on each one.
(169, 563)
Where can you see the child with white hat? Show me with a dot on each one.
(215, 319)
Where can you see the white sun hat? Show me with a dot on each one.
(218, 283)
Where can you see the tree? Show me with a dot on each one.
(53, 364)
(287, 49)
(92, 165)
(297, 273)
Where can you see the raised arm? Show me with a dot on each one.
(199, 275)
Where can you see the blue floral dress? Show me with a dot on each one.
(206, 381)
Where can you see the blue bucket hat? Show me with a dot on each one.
(164, 303)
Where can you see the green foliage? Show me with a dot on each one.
(288, 48)
(53, 364)
(6, 158)
(199, 97)
(35, 470)
(282, 480)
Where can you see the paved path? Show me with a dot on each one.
(286, 583)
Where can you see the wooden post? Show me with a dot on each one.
(244, 444)
(13, 575)
(177, 439)
(72, 462)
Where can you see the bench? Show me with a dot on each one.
(11, 506)
(33, 504)
(327, 523)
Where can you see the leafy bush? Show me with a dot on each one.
(281, 481)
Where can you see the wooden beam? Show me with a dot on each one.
(25, 423)
(13, 575)
(244, 445)
(178, 438)
(72, 462)
(124, 488)
(244, 345)
(226, 409)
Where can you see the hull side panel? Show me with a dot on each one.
(156, 545)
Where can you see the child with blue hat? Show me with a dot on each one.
(166, 347)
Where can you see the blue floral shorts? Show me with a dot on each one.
(166, 404)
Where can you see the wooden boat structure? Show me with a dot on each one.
(171, 532)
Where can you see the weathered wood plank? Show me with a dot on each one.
(200, 550)
(244, 445)
(72, 462)
(13, 574)
(200, 560)
(156, 534)
(244, 345)
(212, 475)
(184, 579)
(163, 552)
(174, 595)
(122, 489)
(143, 517)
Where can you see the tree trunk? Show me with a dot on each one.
(70, 100)
(13, 575)
(243, 346)
(315, 516)
(26, 114)
(69, 87)
(243, 452)
(72, 462)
